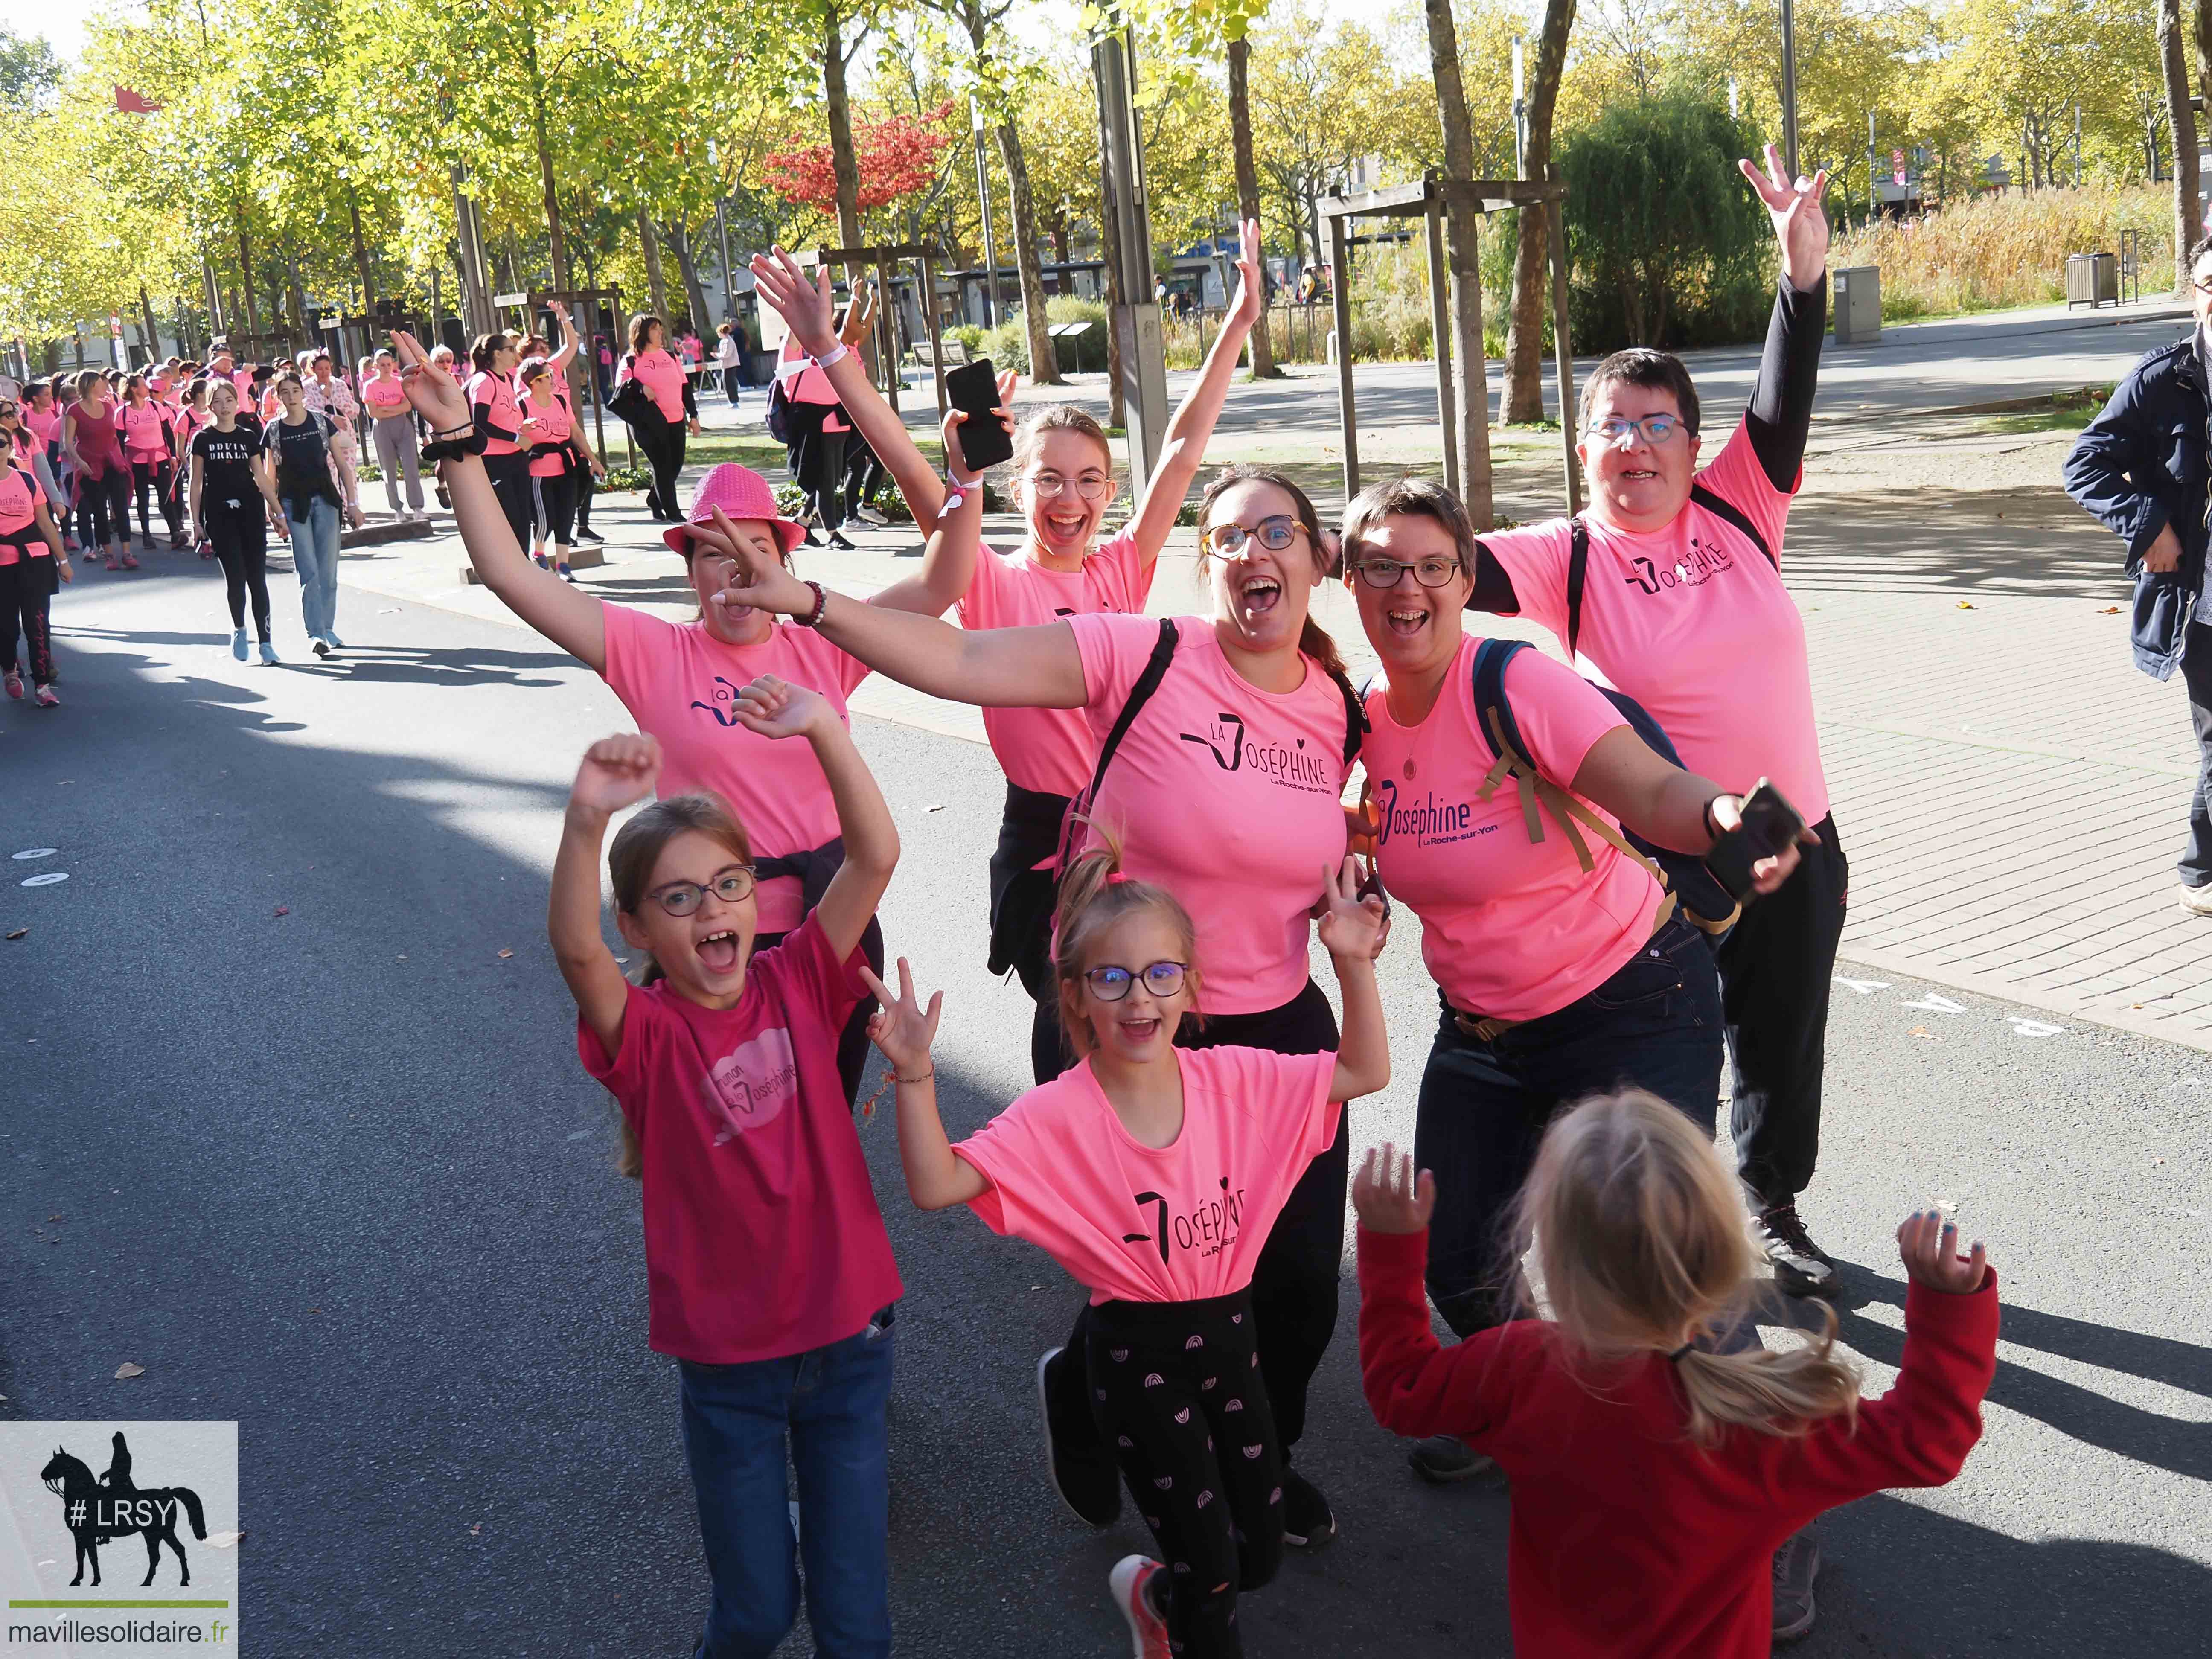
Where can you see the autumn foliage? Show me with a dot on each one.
(896, 157)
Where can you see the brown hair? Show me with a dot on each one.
(88, 379)
(533, 369)
(641, 327)
(291, 377)
(133, 382)
(630, 861)
(1313, 638)
(486, 347)
(1094, 894)
(1655, 371)
(1407, 497)
(1640, 1238)
(1029, 432)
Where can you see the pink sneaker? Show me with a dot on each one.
(47, 699)
(14, 686)
(1130, 1581)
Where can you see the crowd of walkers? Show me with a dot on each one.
(1175, 837)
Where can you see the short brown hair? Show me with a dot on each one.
(1655, 371)
(1407, 497)
(641, 327)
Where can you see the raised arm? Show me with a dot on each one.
(559, 360)
(1781, 411)
(617, 772)
(994, 667)
(570, 618)
(937, 1177)
(806, 307)
(948, 562)
(1351, 930)
(1184, 447)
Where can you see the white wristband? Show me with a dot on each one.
(836, 353)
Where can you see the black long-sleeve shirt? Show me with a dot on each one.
(1777, 419)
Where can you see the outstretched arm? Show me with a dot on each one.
(1664, 804)
(1352, 930)
(617, 772)
(948, 562)
(1186, 435)
(937, 1177)
(569, 617)
(1781, 411)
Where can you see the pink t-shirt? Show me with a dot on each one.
(19, 500)
(804, 383)
(1179, 1223)
(680, 683)
(762, 1234)
(145, 436)
(1694, 624)
(243, 380)
(553, 428)
(494, 394)
(1223, 793)
(384, 398)
(45, 424)
(1509, 928)
(1051, 750)
(662, 377)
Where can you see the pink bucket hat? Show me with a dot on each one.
(741, 492)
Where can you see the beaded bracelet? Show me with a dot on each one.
(813, 618)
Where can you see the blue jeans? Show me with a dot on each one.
(828, 1405)
(1655, 1024)
(315, 557)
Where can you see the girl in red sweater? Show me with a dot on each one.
(1652, 1478)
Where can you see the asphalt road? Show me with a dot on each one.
(285, 1124)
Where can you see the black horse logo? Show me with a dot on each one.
(97, 1511)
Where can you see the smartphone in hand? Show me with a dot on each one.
(974, 391)
(1770, 824)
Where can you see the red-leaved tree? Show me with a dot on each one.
(896, 157)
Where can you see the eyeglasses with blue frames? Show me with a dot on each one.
(1111, 983)
(732, 886)
(1233, 541)
(1657, 429)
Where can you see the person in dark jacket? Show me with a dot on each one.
(2142, 467)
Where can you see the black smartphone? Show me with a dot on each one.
(1770, 824)
(974, 391)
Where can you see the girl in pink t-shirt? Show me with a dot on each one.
(1153, 1174)
(766, 1259)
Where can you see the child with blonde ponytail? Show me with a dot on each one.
(1653, 1479)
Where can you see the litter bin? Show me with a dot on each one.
(2093, 280)
(1858, 306)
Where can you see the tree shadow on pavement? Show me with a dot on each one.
(1945, 540)
(460, 666)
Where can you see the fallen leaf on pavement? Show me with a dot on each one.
(2110, 610)
(129, 1368)
(1923, 1032)
(504, 955)
(1965, 605)
(223, 1540)
(283, 910)
(17, 932)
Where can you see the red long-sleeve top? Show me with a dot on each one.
(1626, 1537)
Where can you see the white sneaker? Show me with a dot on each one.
(868, 514)
(2197, 901)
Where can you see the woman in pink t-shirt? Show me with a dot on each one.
(1225, 785)
(1564, 966)
(32, 564)
(1153, 1174)
(506, 431)
(678, 680)
(554, 460)
(766, 1258)
(148, 445)
(670, 411)
(1064, 484)
(392, 427)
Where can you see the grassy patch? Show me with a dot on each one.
(2068, 412)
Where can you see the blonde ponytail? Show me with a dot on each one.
(1783, 1394)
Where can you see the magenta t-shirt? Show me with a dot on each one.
(494, 396)
(762, 1234)
(19, 501)
(680, 683)
(1510, 929)
(1224, 795)
(1179, 1223)
(1051, 750)
(662, 377)
(1694, 622)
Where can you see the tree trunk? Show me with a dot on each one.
(361, 254)
(2188, 214)
(1248, 191)
(695, 293)
(1044, 367)
(1463, 254)
(554, 233)
(656, 279)
(153, 329)
(842, 159)
(1524, 331)
(245, 275)
(1060, 250)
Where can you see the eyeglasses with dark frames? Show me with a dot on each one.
(732, 886)
(1433, 572)
(1657, 429)
(1110, 982)
(1232, 541)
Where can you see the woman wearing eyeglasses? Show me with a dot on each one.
(680, 681)
(1230, 738)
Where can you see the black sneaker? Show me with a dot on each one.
(837, 540)
(1801, 1267)
(1085, 1476)
(585, 533)
(1307, 1524)
(1796, 1564)
(1443, 1460)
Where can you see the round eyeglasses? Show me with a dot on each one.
(732, 886)
(1385, 573)
(1232, 541)
(1111, 984)
(1657, 428)
(1049, 486)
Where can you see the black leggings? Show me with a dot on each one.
(662, 440)
(581, 477)
(558, 497)
(104, 507)
(1175, 1389)
(160, 476)
(1294, 1287)
(510, 482)
(241, 541)
(26, 590)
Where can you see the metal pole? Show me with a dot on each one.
(983, 196)
(1440, 327)
(1790, 89)
(1873, 169)
(1563, 357)
(1339, 292)
(1137, 319)
(1520, 124)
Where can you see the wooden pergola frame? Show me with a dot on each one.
(1431, 199)
(880, 259)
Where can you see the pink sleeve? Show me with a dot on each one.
(1535, 557)
(1736, 476)
(983, 604)
(627, 1075)
(1009, 1153)
(1128, 576)
(1115, 650)
(1290, 1093)
(1561, 715)
(634, 641)
(805, 963)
